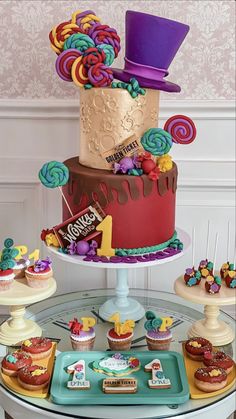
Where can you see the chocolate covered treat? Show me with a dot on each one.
(192, 277)
(213, 284)
(205, 268)
(230, 277)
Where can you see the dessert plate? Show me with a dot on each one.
(12, 383)
(195, 393)
(173, 368)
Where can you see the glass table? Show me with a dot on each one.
(53, 315)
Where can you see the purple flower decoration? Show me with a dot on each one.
(214, 287)
(203, 263)
(42, 264)
(72, 248)
(117, 356)
(93, 248)
(189, 271)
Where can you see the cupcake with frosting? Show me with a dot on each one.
(120, 336)
(82, 334)
(158, 334)
(7, 263)
(20, 266)
(38, 275)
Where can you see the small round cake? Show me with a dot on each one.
(205, 268)
(38, 275)
(213, 284)
(20, 267)
(34, 377)
(37, 347)
(120, 342)
(6, 279)
(158, 336)
(195, 348)
(81, 340)
(218, 360)
(12, 363)
(210, 379)
(230, 278)
(192, 277)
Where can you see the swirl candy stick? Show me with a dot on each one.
(60, 33)
(181, 128)
(84, 19)
(79, 73)
(64, 63)
(55, 174)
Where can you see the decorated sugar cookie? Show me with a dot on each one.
(158, 378)
(117, 365)
(119, 385)
(78, 381)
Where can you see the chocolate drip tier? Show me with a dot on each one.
(142, 210)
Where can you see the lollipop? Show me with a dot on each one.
(181, 128)
(79, 73)
(64, 63)
(55, 174)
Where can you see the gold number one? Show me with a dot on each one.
(106, 228)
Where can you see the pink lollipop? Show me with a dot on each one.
(64, 63)
(181, 128)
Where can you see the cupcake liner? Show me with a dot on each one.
(158, 345)
(121, 345)
(83, 345)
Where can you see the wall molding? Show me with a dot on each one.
(69, 109)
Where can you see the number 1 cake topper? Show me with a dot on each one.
(55, 174)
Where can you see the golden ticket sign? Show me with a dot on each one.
(130, 146)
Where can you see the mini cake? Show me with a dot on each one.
(38, 275)
(12, 363)
(218, 359)
(37, 347)
(205, 268)
(120, 336)
(158, 336)
(20, 267)
(34, 377)
(210, 379)
(6, 279)
(195, 348)
(230, 277)
(192, 277)
(117, 365)
(213, 284)
(82, 338)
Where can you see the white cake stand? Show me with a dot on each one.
(210, 327)
(17, 328)
(128, 308)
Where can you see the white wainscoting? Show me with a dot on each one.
(33, 132)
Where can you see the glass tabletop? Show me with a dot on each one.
(53, 316)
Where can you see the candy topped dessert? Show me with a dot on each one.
(158, 334)
(218, 359)
(33, 377)
(205, 268)
(120, 336)
(82, 334)
(213, 284)
(192, 277)
(119, 194)
(196, 347)
(210, 379)
(38, 275)
(7, 263)
(12, 363)
(37, 347)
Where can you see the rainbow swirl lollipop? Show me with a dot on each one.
(54, 174)
(181, 129)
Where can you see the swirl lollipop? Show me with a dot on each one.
(64, 63)
(181, 128)
(55, 174)
(156, 141)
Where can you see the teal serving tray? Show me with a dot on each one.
(172, 364)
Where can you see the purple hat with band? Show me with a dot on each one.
(151, 45)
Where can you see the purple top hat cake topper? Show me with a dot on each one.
(151, 45)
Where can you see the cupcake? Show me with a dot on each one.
(120, 336)
(192, 277)
(205, 268)
(158, 335)
(82, 338)
(213, 284)
(20, 267)
(230, 277)
(38, 275)
(6, 279)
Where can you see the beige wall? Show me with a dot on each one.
(204, 67)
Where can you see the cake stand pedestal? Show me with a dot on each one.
(210, 327)
(128, 308)
(17, 328)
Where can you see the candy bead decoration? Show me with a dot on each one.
(103, 34)
(79, 73)
(64, 63)
(85, 20)
(54, 174)
(181, 128)
(100, 75)
(157, 141)
(79, 41)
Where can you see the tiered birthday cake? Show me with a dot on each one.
(119, 194)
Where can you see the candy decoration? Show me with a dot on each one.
(109, 53)
(124, 165)
(8, 255)
(87, 322)
(55, 174)
(85, 20)
(82, 247)
(93, 56)
(181, 128)
(79, 73)
(165, 163)
(106, 227)
(64, 63)
(60, 33)
(79, 41)
(103, 34)
(133, 87)
(135, 172)
(156, 141)
(8, 243)
(100, 75)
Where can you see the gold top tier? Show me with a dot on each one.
(108, 117)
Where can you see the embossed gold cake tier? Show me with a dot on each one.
(109, 116)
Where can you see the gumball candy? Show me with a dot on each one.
(148, 165)
(54, 174)
(82, 247)
(181, 128)
(64, 63)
